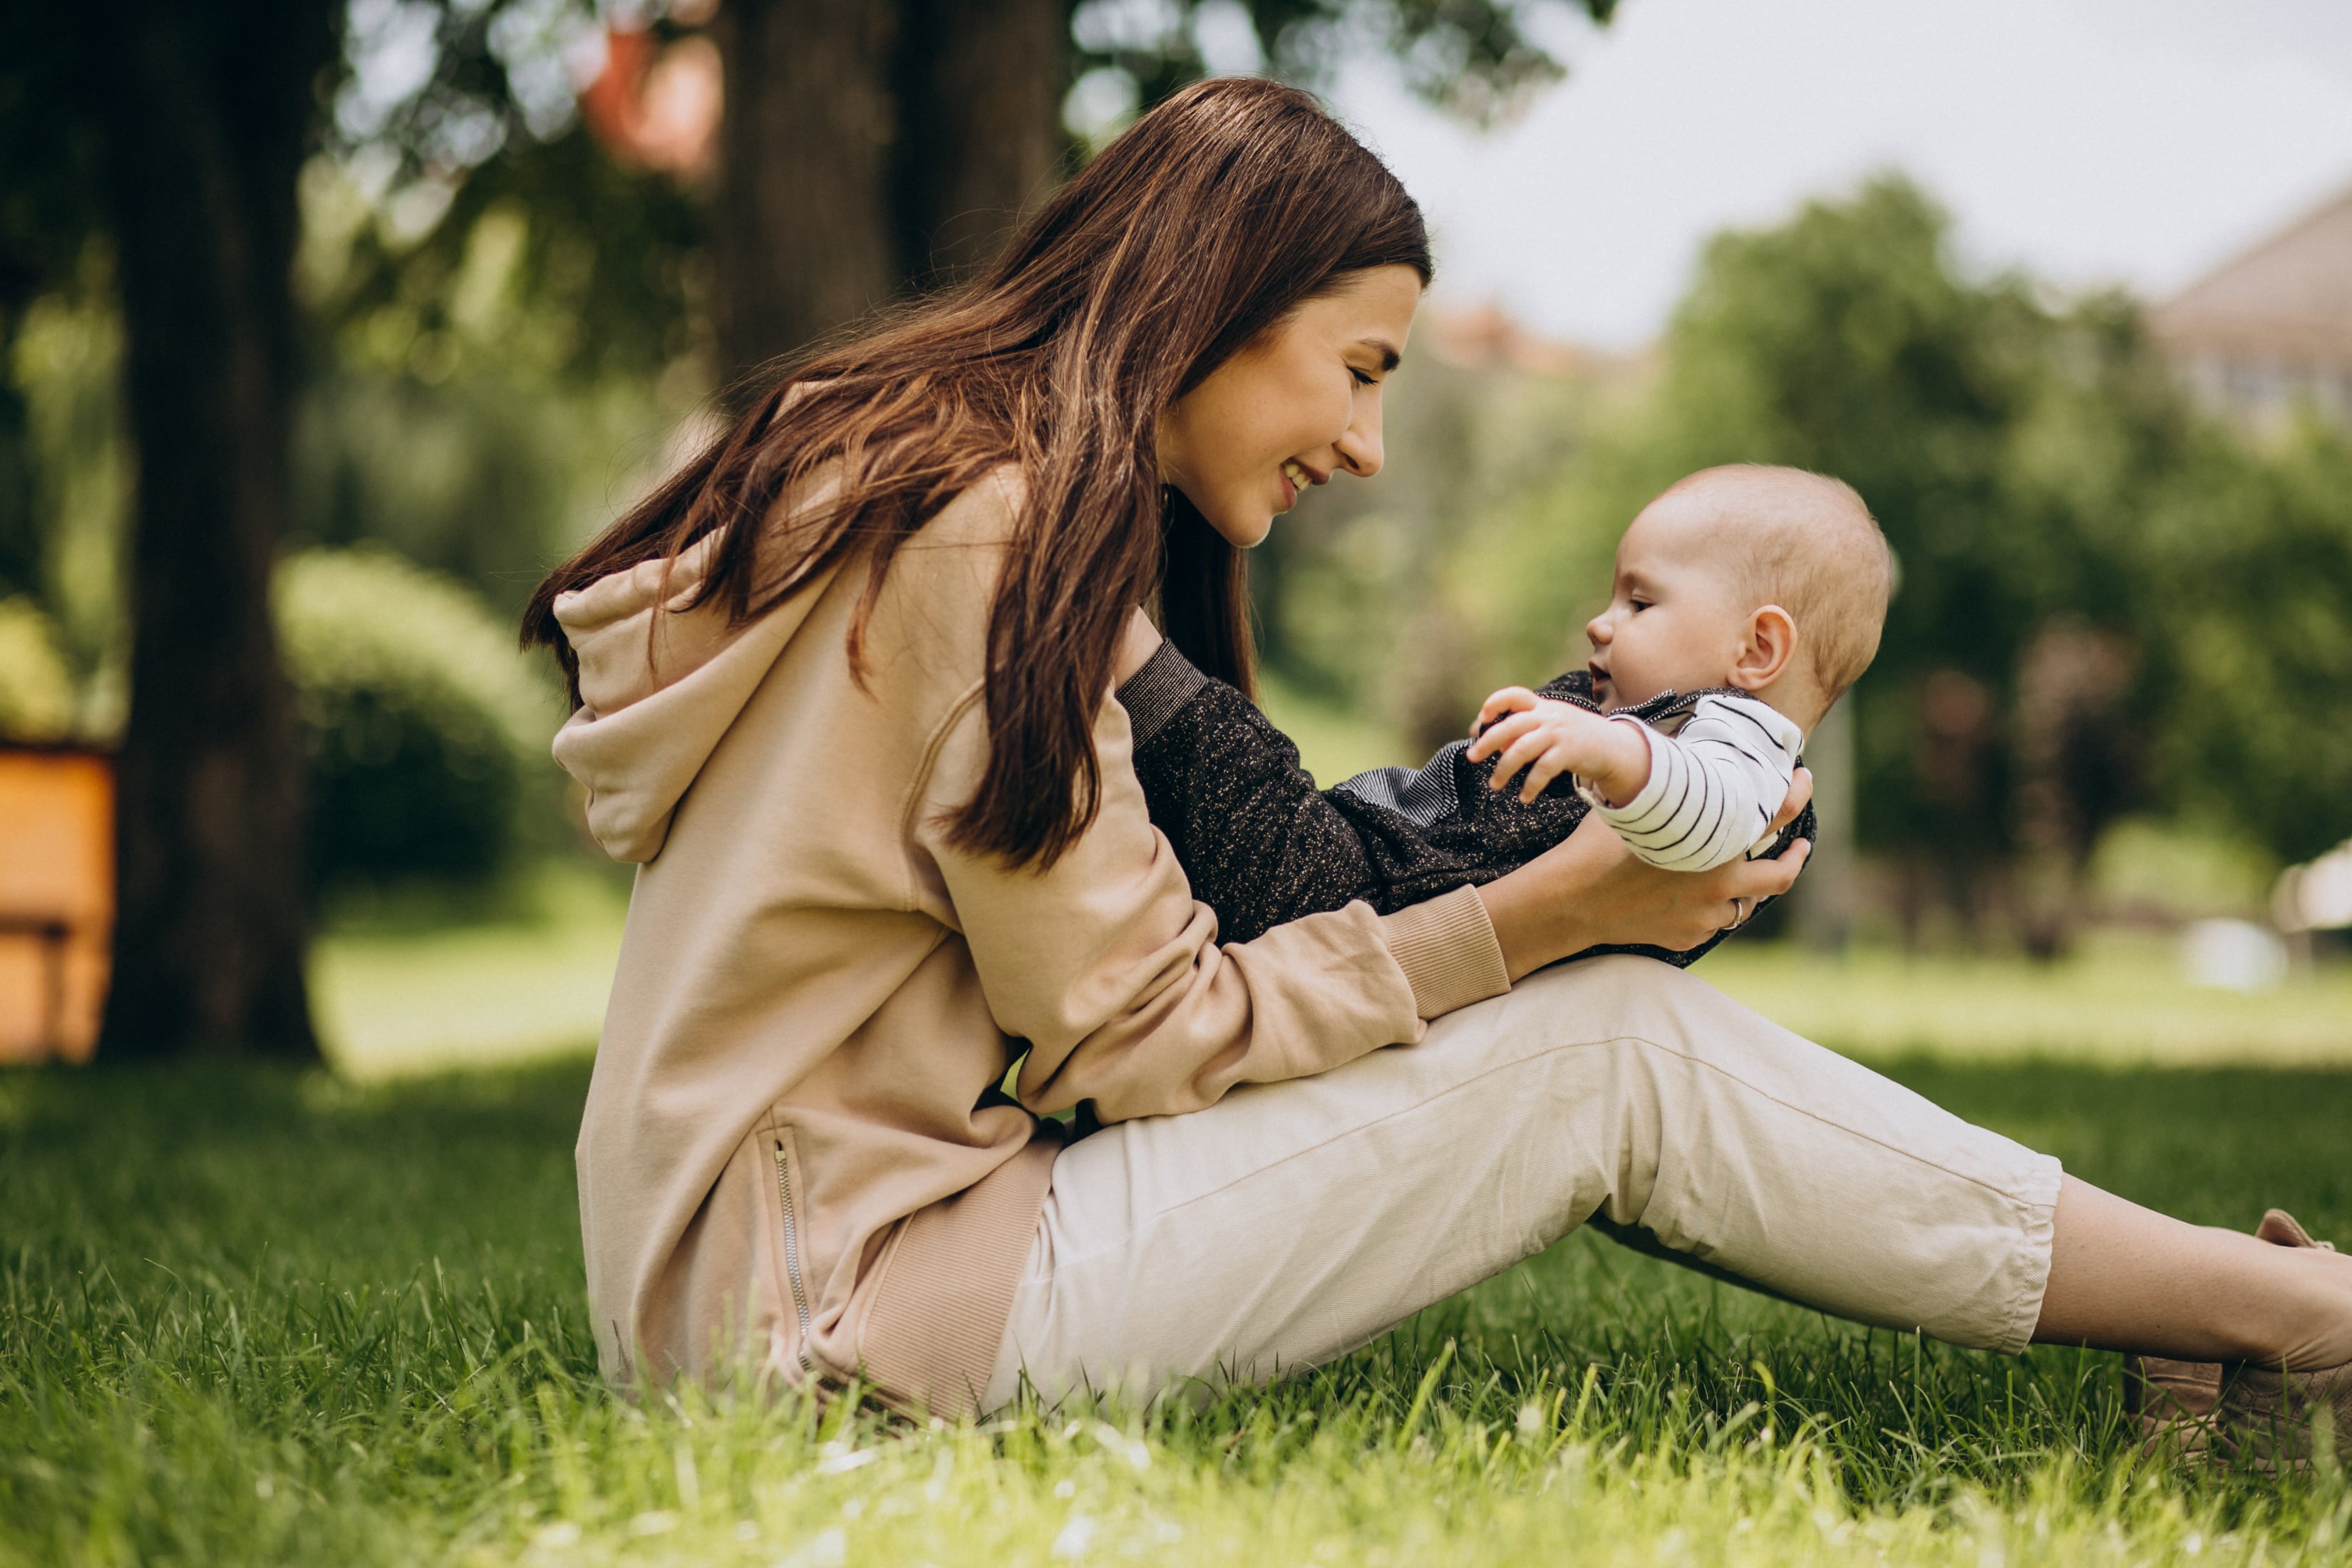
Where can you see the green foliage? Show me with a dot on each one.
(423, 727)
(36, 689)
(247, 1317)
(62, 371)
(599, 268)
(2256, 569)
(1481, 60)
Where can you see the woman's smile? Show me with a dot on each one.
(1296, 478)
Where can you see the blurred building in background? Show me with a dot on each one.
(2270, 331)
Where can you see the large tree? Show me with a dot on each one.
(182, 128)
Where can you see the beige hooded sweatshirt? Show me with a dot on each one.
(794, 1156)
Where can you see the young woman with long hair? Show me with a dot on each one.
(844, 692)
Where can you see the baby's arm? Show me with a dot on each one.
(1712, 786)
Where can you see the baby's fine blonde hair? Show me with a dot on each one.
(1806, 542)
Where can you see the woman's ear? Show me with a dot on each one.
(1765, 652)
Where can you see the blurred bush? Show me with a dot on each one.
(37, 687)
(425, 727)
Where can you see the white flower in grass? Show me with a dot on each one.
(826, 1549)
(1074, 1538)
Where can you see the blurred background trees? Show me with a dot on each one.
(411, 296)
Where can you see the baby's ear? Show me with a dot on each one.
(1767, 651)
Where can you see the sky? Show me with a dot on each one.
(2090, 141)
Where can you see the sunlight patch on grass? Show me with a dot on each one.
(395, 1003)
(1333, 743)
(2124, 1001)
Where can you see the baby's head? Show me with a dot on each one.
(1772, 580)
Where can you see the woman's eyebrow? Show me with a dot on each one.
(1386, 350)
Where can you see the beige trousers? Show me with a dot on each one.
(1290, 1222)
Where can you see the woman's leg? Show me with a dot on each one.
(2128, 1278)
(1292, 1222)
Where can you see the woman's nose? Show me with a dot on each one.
(1359, 449)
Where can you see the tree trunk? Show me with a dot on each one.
(869, 145)
(206, 129)
(980, 95)
(802, 233)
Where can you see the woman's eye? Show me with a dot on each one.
(1362, 378)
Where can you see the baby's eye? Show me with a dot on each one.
(1640, 604)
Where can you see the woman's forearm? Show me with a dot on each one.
(1545, 910)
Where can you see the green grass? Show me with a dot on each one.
(2122, 1001)
(247, 1317)
(397, 1002)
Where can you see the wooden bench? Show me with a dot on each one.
(57, 899)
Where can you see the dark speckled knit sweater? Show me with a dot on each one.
(1263, 845)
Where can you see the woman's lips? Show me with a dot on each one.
(1290, 490)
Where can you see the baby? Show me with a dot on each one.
(1747, 599)
(1768, 585)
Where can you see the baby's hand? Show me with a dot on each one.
(1548, 738)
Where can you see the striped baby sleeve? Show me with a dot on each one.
(1714, 786)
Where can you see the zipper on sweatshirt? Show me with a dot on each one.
(793, 1253)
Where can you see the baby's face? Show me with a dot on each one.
(1676, 619)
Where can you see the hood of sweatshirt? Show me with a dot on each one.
(660, 684)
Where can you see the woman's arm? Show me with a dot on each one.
(1113, 974)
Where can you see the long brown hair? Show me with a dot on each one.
(1199, 229)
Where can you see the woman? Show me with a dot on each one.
(844, 694)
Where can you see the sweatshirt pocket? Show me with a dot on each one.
(791, 1283)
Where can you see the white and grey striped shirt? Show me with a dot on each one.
(1714, 786)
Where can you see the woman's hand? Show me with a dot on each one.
(1591, 890)
(1141, 641)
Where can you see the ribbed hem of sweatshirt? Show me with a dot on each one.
(1152, 695)
(1447, 950)
(930, 1338)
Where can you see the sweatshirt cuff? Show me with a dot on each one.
(1152, 695)
(1447, 950)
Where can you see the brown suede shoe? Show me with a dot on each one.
(2172, 1403)
(2169, 1404)
(2268, 1419)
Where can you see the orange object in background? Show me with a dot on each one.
(56, 899)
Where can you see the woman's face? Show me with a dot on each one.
(1295, 408)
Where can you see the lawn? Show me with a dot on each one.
(252, 1317)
